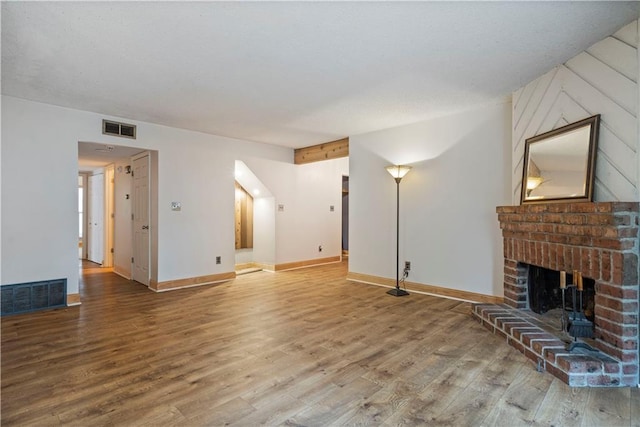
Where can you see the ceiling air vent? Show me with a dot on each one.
(118, 129)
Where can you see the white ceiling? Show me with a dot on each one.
(290, 73)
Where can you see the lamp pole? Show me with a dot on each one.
(398, 172)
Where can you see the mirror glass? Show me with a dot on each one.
(559, 165)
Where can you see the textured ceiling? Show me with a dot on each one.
(289, 73)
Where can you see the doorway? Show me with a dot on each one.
(254, 221)
(95, 227)
(345, 216)
(82, 210)
(243, 218)
(100, 216)
(112, 164)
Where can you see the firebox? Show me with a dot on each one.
(562, 301)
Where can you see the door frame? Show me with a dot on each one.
(109, 214)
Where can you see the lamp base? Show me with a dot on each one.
(397, 292)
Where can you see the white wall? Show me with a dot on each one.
(39, 211)
(306, 192)
(39, 193)
(319, 188)
(264, 230)
(244, 256)
(601, 80)
(449, 228)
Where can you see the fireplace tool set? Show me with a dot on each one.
(574, 322)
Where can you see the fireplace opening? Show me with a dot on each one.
(545, 294)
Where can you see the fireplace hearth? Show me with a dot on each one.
(600, 242)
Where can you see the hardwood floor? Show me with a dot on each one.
(303, 347)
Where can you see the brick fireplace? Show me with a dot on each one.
(601, 241)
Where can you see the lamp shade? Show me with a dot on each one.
(397, 171)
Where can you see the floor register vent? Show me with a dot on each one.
(34, 296)
(118, 129)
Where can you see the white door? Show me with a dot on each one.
(109, 222)
(96, 219)
(141, 219)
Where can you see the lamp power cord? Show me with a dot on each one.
(405, 274)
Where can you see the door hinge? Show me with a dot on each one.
(111, 250)
(131, 260)
(131, 217)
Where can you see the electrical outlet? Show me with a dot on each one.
(218, 260)
(320, 248)
(407, 268)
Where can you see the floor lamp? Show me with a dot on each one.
(398, 172)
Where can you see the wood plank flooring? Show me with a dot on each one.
(296, 348)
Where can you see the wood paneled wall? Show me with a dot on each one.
(243, 218)
(601, 80)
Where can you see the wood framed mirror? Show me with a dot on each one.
(559, 165)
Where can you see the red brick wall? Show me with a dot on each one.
(598, 239)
